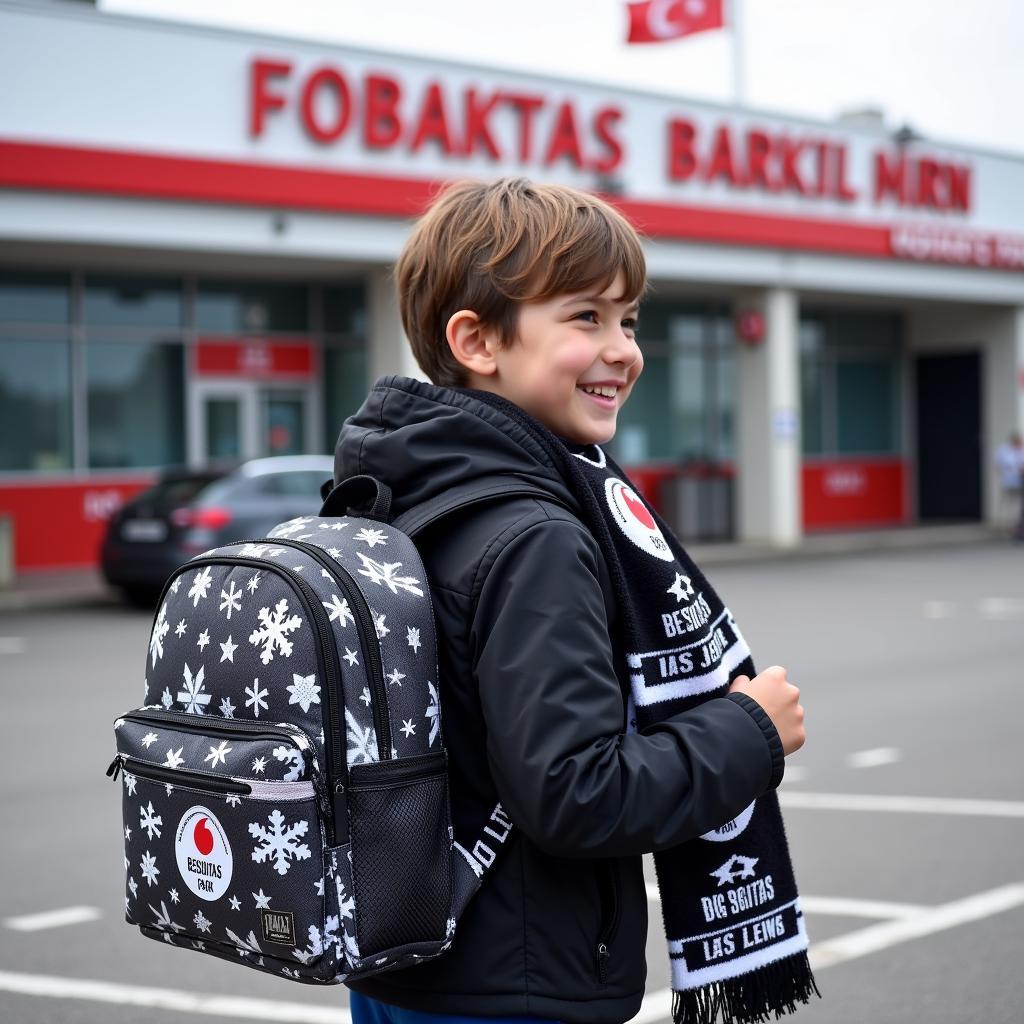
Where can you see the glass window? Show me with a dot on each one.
(641, 433)
(120, 299)
(136, 404)
(297, 484)
(866, 407)
(346, 383)
(35, 405)
(345, 310)
(251, 307)
(30, 298)
(689, 420)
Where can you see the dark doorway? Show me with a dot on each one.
(949, 436)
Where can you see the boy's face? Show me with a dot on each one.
(564, 344)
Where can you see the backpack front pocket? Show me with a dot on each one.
(218, 854)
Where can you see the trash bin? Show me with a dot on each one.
(6, 551)
(701, 502)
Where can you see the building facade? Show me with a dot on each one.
(197, 228)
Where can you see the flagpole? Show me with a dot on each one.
(738, 56)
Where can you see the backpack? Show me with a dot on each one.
(284, 784)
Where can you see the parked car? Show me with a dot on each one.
(192, 510)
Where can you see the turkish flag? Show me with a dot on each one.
(654, 21)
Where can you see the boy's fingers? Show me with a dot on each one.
(739, 680)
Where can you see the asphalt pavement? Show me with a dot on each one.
(905, 810)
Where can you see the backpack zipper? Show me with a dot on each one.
(175, 777)
(326, 649)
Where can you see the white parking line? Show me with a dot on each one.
(1002, 608)
(52, 919)
(198, 1004)
(938, 609)
(12, 645)
(794, 773)
(901, 804)
(872, 758)
(657, 1006)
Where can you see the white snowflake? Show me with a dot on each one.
(129, 782)
(167, 700)
(304, 691)
(290, 754)
(262, 900)
(256, 696)
(218, 755)
(346, 904)
(174, 758)
(245, 946)
(351, 657)
(254, 582)
(163, 918)
(149, 868)
(412, 637)
(149, 739)
(259, 550)
(232, 799)
(200, 585)
(335, 553)
(395, 677)
(134, 886)
(230, 599)
(365, 696)
(227, 651)
(378, 624)
(433, 713)
(259, 765)
(180, 628)
(279, 842)
(160, 628)
(339, 610)
(175, 585)
(408, 728)
(292, 527)
(201, 921)
(174, 896)
(314, 947)
(204, 639)
(236, 903)
(273, 632)
(227, 709)
(127, 832)
(362, 742)
(371, 536)
(192, 695)
(386, 574)
(149, 820)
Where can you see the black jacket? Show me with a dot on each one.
(533, 706)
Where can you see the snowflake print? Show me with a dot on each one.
(129, 783)
(134, 886)
(304, 691)
(192, 695)
(175, 585)
(395, 677)
(386, 574)
(339, 610)
(149, 739)
(365, 696)
(292, 527)
(236, 903)
(167, 700)
(256, 696)
(200, 585)
(218, 755)
(127, 832)
(174, 896)
(262, 900)
(227, 709)
(346, 904)
(163, 918)
(156, 640)
(362, 742)
(230, 599)
(412, 637)
(371, 537)
(245, 946)
(179, 629)
(314, 947)
(351, 657)
(297, 765)
(227, 651)
(378, 624)
(201, 921)
(174, 758)
(433, 713)
(279, 843)
(259, 765)
(408, 728)
(259, 550)
(232, 799)
(150, 821)
(149, 868)
(254, 582)
(204, 639)
(334, 553)
(273, 633)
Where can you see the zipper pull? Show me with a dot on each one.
(602, 963)
(115, 767)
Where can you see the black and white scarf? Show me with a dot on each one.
(736, 936)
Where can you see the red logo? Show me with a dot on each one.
(203, 838)
(638, 508)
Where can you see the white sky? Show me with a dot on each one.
(953, 70)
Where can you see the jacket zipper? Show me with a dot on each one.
(610, 919)
(174, 776)
(361, 609)
(325, 649)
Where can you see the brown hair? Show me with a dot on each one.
(489, 246)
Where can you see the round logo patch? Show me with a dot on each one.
(203, 854)
(731, 829)
(635, 519)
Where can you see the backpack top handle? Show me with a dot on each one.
(362, 495)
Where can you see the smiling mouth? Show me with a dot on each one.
(602, 401)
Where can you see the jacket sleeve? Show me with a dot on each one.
(570, 776)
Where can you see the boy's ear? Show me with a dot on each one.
(472, 342)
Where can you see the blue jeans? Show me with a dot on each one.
(369, 1011)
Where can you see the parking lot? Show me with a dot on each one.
(905, 810)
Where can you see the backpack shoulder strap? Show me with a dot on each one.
(476, 492)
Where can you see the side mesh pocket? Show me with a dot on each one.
(401, 851)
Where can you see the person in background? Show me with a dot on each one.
(1010, 464)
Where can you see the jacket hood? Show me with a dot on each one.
(421, 439)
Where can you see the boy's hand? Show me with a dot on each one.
(780, 700)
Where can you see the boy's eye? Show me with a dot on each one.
(588, 312)
(631, 323)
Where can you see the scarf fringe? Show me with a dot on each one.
(750, 998)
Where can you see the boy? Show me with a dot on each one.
(520, 303)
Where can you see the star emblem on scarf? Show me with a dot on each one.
(682, 588)
(735, 868)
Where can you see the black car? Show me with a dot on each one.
(189, 511)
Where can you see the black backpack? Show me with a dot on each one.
(284, 784)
